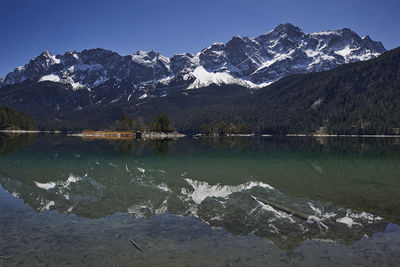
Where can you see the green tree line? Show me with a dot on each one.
(11, 119)
(161, 123)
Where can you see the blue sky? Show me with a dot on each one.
(29, 27)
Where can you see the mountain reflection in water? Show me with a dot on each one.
(226, 182)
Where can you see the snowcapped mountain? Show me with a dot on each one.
(250, 62)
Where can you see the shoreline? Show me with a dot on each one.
(28, 131)
(342, 135)
(126, 135)
(154, 135)
(227, 135)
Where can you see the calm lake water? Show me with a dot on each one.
(277, 201)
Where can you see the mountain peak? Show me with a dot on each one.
(46, 53)
(287, 28)
(45, 60)
(347, 30)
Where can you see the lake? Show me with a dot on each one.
(211, 201)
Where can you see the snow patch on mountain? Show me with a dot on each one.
(50, 77)
(77, 85)
(55, 78)
(205, 78)
(143, 96)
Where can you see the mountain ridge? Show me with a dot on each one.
(250, 62)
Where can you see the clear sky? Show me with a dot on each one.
(171, 26)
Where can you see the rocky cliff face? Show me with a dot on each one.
(251, 62)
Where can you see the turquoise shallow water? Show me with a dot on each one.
(208, 201)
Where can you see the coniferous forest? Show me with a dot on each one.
(11, 119)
